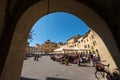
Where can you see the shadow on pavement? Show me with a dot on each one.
(84, 65)
(24, 78)
(51, 78)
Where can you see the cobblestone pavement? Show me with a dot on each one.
(46, 69)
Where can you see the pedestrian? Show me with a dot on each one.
(36, 57)
(66, 60)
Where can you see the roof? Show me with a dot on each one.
(78, 36)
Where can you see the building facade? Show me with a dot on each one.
(71, 42)
(83, 44)
(88, 43)
(38, 48)
(49, 46)
(34, 49)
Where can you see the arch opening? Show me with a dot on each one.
(87, 43)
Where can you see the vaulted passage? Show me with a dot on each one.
(14, 34)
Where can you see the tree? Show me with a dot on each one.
(30, 36)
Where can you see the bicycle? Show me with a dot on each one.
(101, 69)
(116, 74)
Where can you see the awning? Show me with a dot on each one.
(66, 48)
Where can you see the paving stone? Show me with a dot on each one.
(46, 69)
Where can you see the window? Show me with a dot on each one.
(92, 36)
(88, 46)
(85, 46)
(81, 40)
(94, 43)
(84, 41)
(97, 51)
(87, 40)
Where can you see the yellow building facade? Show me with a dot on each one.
(49, 46)
(71, 42)
(84, 44)
(88, 43)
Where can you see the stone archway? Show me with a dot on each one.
(13, 64)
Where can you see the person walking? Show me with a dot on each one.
(66, 60)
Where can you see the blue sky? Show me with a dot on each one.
(58, 27)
